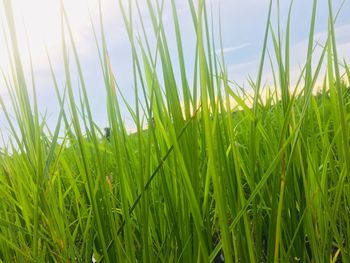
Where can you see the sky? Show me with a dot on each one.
(242, 27)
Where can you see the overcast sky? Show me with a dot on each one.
(243, 24)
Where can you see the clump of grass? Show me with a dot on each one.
(213, 176)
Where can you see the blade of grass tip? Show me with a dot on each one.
(101, 54)
(273, 76)
(51, 152)
(136, 60)
(185, 87)
(308, 73)
(171, 92)
(35, 103)
(196, 59)
(210, 71)
(150, 79)
(257, 92)
(153, 85)
(193, 14)
(58, 95)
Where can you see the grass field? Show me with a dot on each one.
(216, 173)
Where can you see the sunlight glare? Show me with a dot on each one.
(40, 20)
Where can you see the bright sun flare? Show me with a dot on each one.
(40, 20)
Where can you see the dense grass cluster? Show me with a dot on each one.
(218, 172)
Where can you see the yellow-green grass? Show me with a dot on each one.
(212, 175)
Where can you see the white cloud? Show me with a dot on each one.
(232, 48)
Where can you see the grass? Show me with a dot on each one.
(219, 172)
